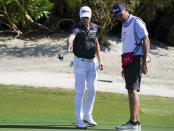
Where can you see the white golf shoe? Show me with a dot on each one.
(90, 121)
(80, 125)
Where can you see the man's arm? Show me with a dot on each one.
(98, 55)
(146, 48)
(70, 42)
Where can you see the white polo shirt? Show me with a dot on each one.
(133, 30)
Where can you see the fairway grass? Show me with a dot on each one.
(24, 108)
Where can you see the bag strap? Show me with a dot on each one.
(136, 48)
(137, 44)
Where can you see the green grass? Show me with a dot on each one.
(38, 109)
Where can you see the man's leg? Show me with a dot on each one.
(134, 104)
(90, 95)
(133, 123)
(80, 76)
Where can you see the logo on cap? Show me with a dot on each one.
(114, 10)
(84, 11)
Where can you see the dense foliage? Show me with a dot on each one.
(23, 16)
(159, 17)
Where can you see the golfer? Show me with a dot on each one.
(135, 51)
(84, 44)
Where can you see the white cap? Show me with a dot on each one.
(85, 11)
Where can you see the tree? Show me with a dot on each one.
(17, 14)
(158, 15)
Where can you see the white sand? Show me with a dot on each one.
(35, 63)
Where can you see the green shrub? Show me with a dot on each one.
(23, 13)
(73, 3)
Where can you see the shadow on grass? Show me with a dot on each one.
(67, 127)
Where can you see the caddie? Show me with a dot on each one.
(135, 51)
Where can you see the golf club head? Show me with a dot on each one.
(60, 57)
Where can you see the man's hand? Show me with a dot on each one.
(146, 48)
(100, 66)
(70, 48)
(122, 74)
(70, 42)
(144, 68)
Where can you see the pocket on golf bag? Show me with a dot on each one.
(126, 59)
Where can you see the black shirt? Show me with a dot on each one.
(84, 44)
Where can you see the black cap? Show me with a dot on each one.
(118, 8)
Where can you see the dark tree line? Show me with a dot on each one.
(25, 16)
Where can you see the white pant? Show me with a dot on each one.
(84, 70)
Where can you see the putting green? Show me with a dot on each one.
(37, 109)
